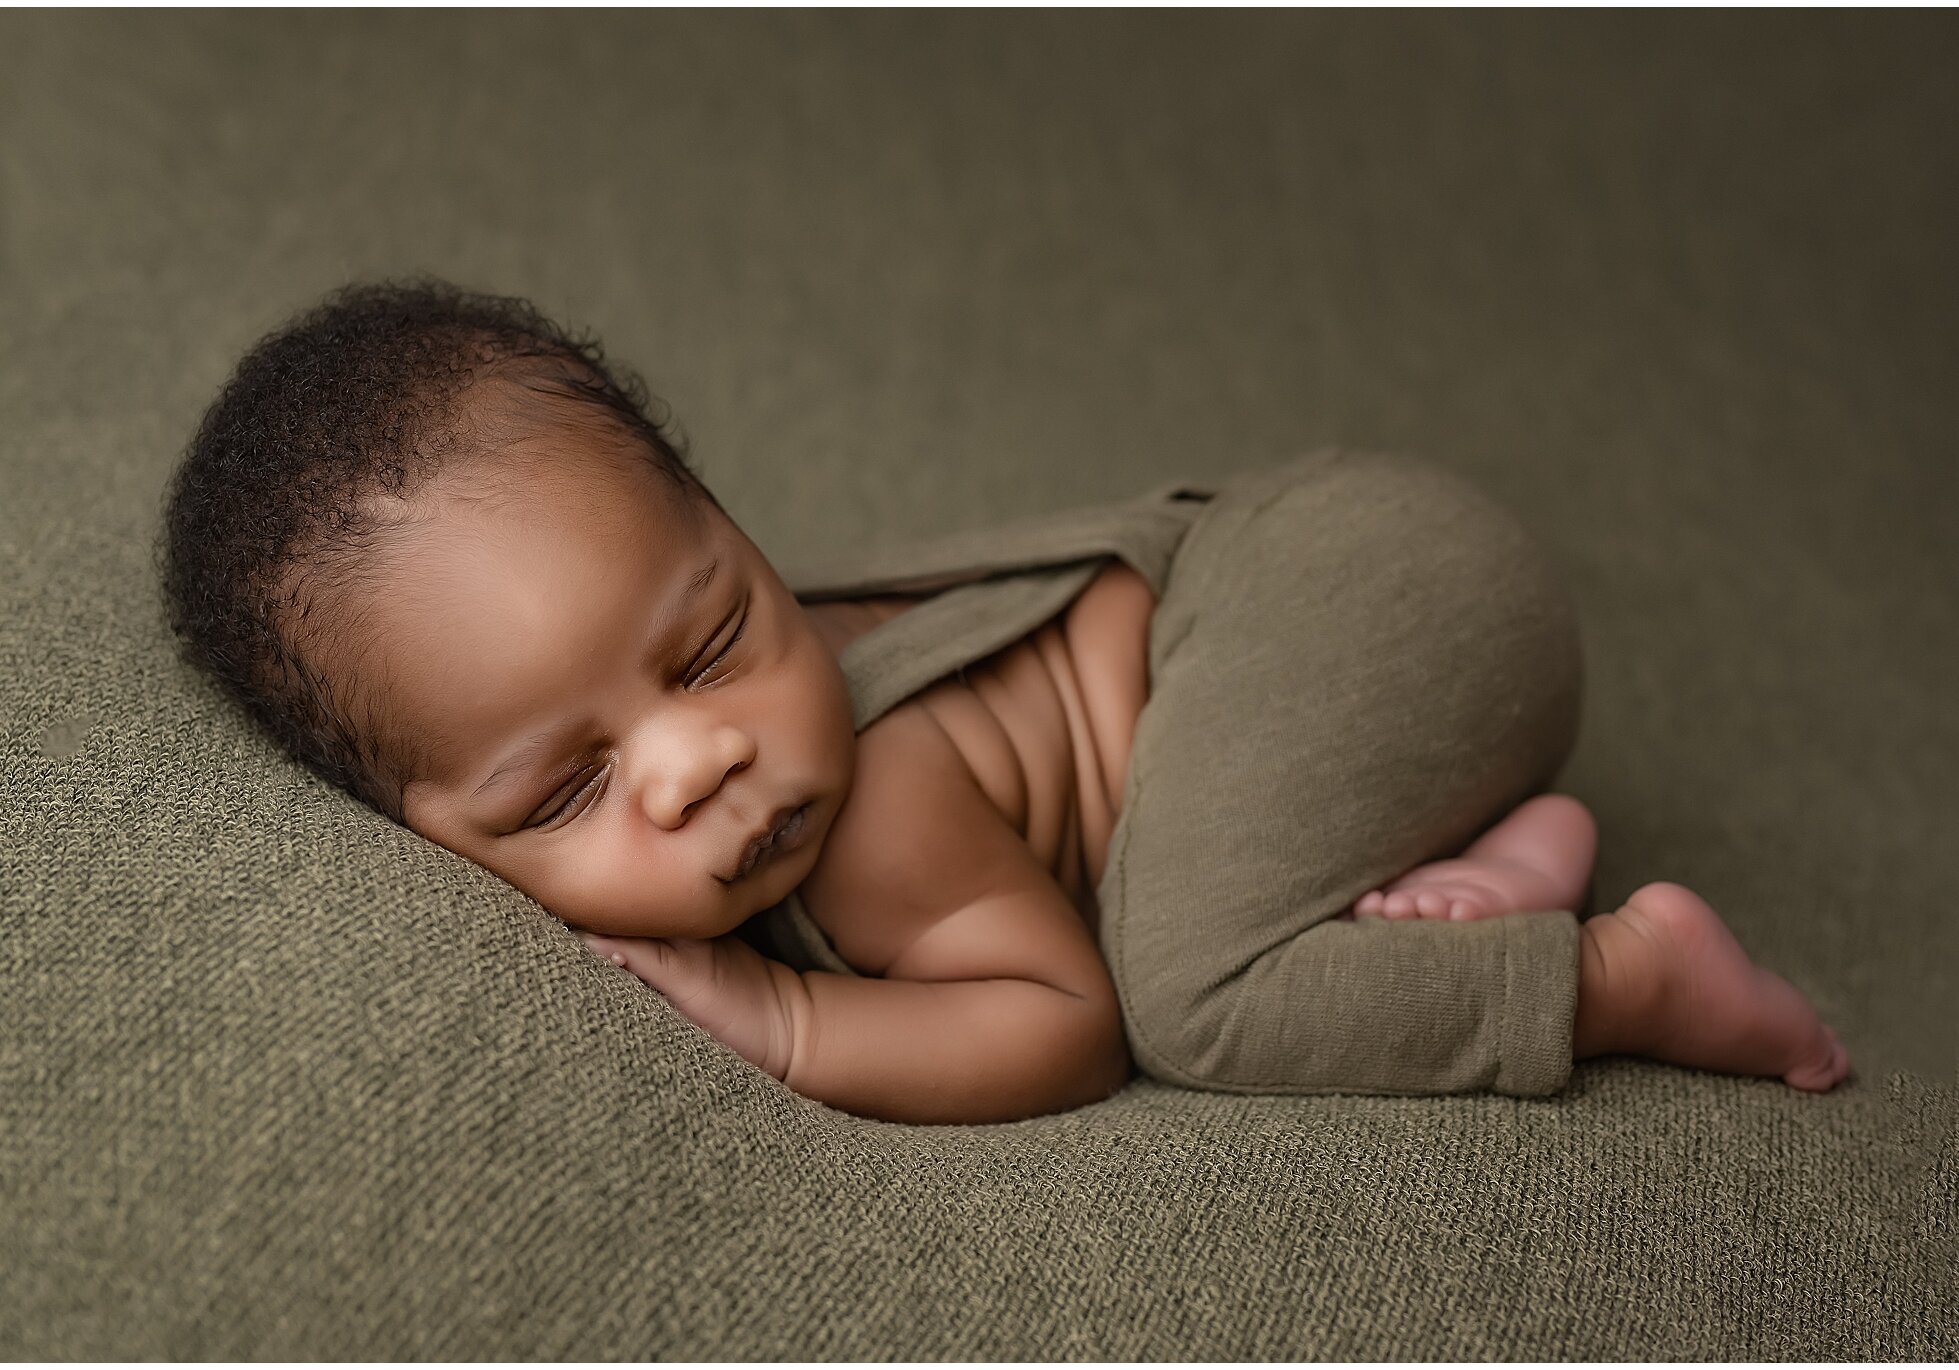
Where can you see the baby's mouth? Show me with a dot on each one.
(785, 831)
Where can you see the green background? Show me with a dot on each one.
(278, 1079)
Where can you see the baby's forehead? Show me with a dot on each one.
(483, 633)
(548, 484)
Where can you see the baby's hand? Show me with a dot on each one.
(721, 983)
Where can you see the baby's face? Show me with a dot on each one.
(621, 699)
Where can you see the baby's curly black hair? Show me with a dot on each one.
(302, 467)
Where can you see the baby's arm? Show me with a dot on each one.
(959, 1050)
(986, 998)
(994, 1002)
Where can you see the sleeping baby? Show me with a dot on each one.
(1214, 782)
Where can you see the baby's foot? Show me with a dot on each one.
(1697, 1000)
(1538, 857)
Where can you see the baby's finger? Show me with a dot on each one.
(649, 958)
(604, 947)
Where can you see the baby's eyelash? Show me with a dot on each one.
(740, 628)
(570, 799)
(552, 817)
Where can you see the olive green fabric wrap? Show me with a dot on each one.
(1320, 719)
(279, 1080)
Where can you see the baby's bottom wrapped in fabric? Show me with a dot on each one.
(1359, 663)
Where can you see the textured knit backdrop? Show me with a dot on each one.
(280, 1080)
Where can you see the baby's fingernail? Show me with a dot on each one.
(617, 959)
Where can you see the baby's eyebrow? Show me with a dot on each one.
(541, 743)
(520, 759)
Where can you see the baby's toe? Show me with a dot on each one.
(1472, 904)
(1825, 1068)
(1432, 904)
(1368, 904)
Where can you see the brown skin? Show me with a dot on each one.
(552, 592)
(569, 605)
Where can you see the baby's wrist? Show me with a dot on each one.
(795, 1013)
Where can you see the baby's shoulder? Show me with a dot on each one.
(916, 839)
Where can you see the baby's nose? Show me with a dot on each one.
(672, 794)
